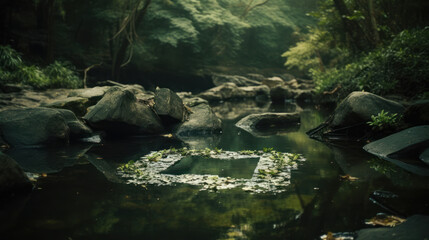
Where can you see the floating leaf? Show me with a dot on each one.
(349, 178)
(385, 220)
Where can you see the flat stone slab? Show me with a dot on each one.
(400, 141)
(416, 227)
(271, 175)
(425, 156)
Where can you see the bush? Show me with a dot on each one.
(33, 76)
(56, 75)
(399, 68)
(10, 60)
(62, 75)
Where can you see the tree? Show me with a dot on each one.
(127, 35)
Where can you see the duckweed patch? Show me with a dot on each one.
(214, 169)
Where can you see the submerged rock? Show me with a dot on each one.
(12, 178)
(231, 91)
(269, 122)
(202, 120)
(120, 113)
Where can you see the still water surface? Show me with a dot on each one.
(82, 198)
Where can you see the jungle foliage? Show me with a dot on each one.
(379, 46)
(186, 35)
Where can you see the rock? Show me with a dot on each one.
(417, 114)
(119, 113)
(399, 144)
(12, 178)
(425, 156)
(255, 76)
(231, 91)
(304, 95)
(358, 107)
(269, 122)
(202, 120)
(77, 128)
(238, 109)
(415, 227)
(168, 105)
(293, 84)
(273, 82)
(13, 88)
(33, 126)
(286, 77)
(349, 121)
(77, 105)
(194, 101)
(92, 94)
(220, 79)
(280, 93)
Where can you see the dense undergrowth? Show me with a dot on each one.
(56, 75)
(400, 67)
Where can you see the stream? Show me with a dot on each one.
(78, 194)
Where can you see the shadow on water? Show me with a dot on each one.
(88, 200)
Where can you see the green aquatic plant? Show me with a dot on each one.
(267, 150)
(131, 168)
(383, 120)
(218, 151)
(295, 156)
(155, 157)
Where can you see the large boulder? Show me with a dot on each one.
(33, 126)
(270, 123)
(202, 120)
(168, 105)
(349, 121)
(12, 178)
(229, 91)
(120, 113)
(220, 79)
(358, 107)
(77, 105)
(41, 126)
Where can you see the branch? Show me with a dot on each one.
(85, 72)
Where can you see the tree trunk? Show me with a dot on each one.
(46, 23)
(351, 28)
(373, 22)
(121, 52)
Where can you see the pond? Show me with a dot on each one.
(80, 196)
